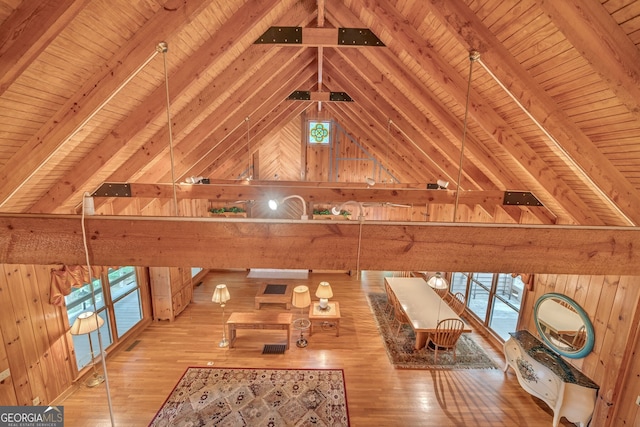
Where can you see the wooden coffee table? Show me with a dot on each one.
(330, 315)
(264, 320)
(274, 293)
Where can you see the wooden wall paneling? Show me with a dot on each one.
(598, 307)
(558, 283)
(60, 351)
(318, 159)
(626, 411)
(44, 364)
(618, 332)
(9, 321)
(613, 320)
(30, 351)
(7, 390)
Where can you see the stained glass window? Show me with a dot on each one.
(319, 132)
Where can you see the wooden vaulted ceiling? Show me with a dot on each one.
(83, 95)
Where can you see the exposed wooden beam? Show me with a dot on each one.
(615, 189)
(153, 107)
(28, 31)
(386, 19)
(246, 243)
(392, 70)
(82, 104)
(318, 192)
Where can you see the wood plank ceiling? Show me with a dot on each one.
(83, 95)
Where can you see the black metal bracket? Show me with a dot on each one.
(113, 189)
(339, 97)
(358, 37)
(521, 198)
(300, 95)
(286, 35)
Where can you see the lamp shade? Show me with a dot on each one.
(324, 290)
(221, 294)
(438, 282)
(85, 323)
(301, 297)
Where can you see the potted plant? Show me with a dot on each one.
(327, 214)
(228, 212)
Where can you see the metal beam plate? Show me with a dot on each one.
(340, 96)
(113, 189)
(358, 37)
(280, 35)
(521, 198)
(300, 95)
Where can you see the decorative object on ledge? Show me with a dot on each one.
(327, 214)
(228, 212)
(339, 209)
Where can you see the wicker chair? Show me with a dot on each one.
(458, 303)
(446, 336)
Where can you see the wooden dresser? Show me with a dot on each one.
(171, 291)
(544, 374)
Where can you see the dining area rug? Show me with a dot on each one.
(233, 397)
(401, 351)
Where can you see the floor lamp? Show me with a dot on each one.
(86, 323)
(221, 296)
(301, 299)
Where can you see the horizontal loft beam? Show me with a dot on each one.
(332, 245)
(316, 192)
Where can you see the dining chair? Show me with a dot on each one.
(446, 336)
(444, 294)
(389, 307)
(399, 316)
(458, 303)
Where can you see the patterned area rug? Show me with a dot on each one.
(236, 397)
(469, 355)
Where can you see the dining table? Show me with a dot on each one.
(422, 305)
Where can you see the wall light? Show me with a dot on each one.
(336, 210)
(442, 184)
(273, 204)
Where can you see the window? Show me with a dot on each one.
(118, 304)
(493, 298)
(319, 132)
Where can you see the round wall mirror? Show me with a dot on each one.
(563, 325)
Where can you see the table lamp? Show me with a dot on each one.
(324, 292)
(86, 323)
(221, 296)
(301, 299)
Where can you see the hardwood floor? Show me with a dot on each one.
(141, 376)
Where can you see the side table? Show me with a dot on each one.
(330, 315)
